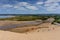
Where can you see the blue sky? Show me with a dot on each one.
(29, 6)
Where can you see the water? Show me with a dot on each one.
(5, 16)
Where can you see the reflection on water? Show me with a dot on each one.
(6, 16)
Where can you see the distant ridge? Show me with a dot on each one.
(29, 14)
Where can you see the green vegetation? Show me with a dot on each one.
(28, 18)
(57, 19)
(31, 18)
(25, 18)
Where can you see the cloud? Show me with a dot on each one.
(51, 8)
(52, 5)
(52, 1)
(32, 7)
(49, 5)
(39, 3)
(20, 6)
(25, 5)
(7, 6)
(16, 7)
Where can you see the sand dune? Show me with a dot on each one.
(51, 33)
(41, 35)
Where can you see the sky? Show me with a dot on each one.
(29, 6)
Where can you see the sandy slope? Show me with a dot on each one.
(41, 35)
(3, 23)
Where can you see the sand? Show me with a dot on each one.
(51, 33)
(6, 22)
(41, 35)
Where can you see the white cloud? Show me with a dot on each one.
(51, 8)
(52, 5)
(32, 7)
(25, 5)
(7, 6)
(39, 3)
(58, 7)
(49, 5)
(16, 7)
(21, 8)
(52, 1)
